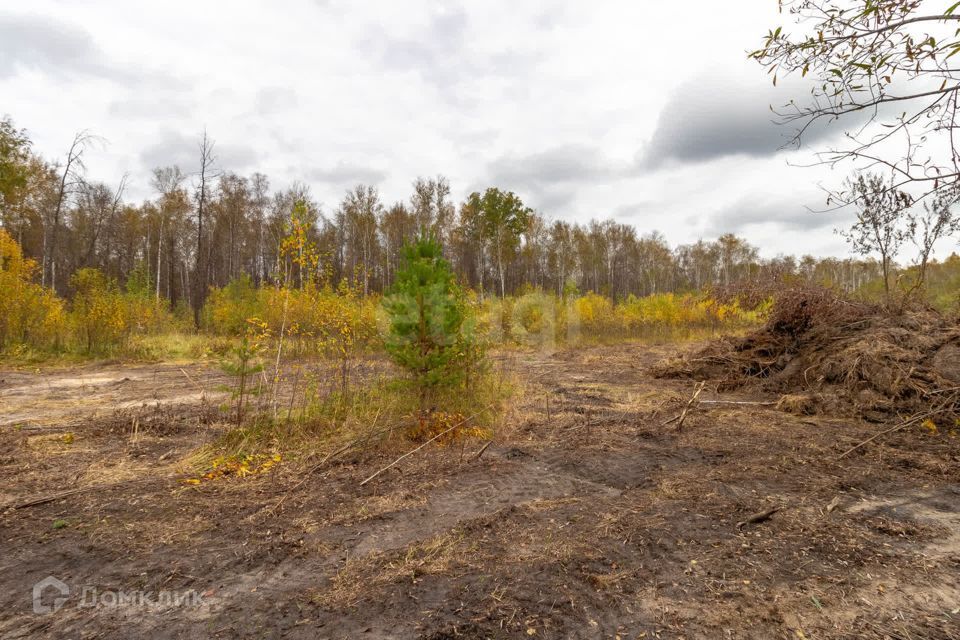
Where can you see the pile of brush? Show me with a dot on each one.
(830, 354)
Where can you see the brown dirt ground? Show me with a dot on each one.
(587, 518)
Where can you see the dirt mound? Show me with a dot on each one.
(835, 354)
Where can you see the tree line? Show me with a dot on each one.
(204, 227)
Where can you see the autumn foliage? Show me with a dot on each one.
(29, 314)
(537, 319)
(98, 318)
(312, 317)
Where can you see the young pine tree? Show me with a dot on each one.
(241, 365)
(426, 311)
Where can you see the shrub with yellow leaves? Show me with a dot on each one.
(97, 313)
(670, 314)
(29, 314)
(313, 319)
(533, 320)
(595, 313)
(228, 308)
(539, 319)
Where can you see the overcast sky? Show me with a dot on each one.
(649, 113)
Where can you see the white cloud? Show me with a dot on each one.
(555, 100)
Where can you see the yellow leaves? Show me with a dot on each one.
(592, 307)
(12, 260)
(102, 316)
(258, 335)
(431, 424)
(258, 324)
(597, 316)
(240, 465)
(298, 248)
(28, 312)
(274, 459)
(930, 427)
(668, 310)
(317, 319)
(67, 438)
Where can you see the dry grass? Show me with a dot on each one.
(119, 470)
(57, 443)
(678, 489)
(797, 404)
(359, 577)
(376, 506)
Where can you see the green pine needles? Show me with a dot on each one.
(242, 366)
(427, 309)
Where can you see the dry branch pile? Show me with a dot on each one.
(830, 354)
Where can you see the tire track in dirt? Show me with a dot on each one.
(478, 495)
(514, 479)
(51, 399)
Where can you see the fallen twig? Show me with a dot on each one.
(342, 450)
(18, 427)
(413, 451)
(757, 517)
(833, 504)
(39, 500)
(203, 389)
(33, 502)
(690, 403)
(477, 455)
(905, 423)
(750, 402)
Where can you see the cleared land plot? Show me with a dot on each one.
(587, 517)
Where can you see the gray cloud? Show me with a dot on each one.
(270, 100)
(65, 50)
(528, 97)
(442, 55)
(564, 164)
(548, 179)
(345, 174)
(714, 117)
(152, 107)
(443, 38)
(172, 148)
(555, 199)
(176, 148)
(786, 214)
(236, 157)
(42, 43)
(551, 17)
(636, 209)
